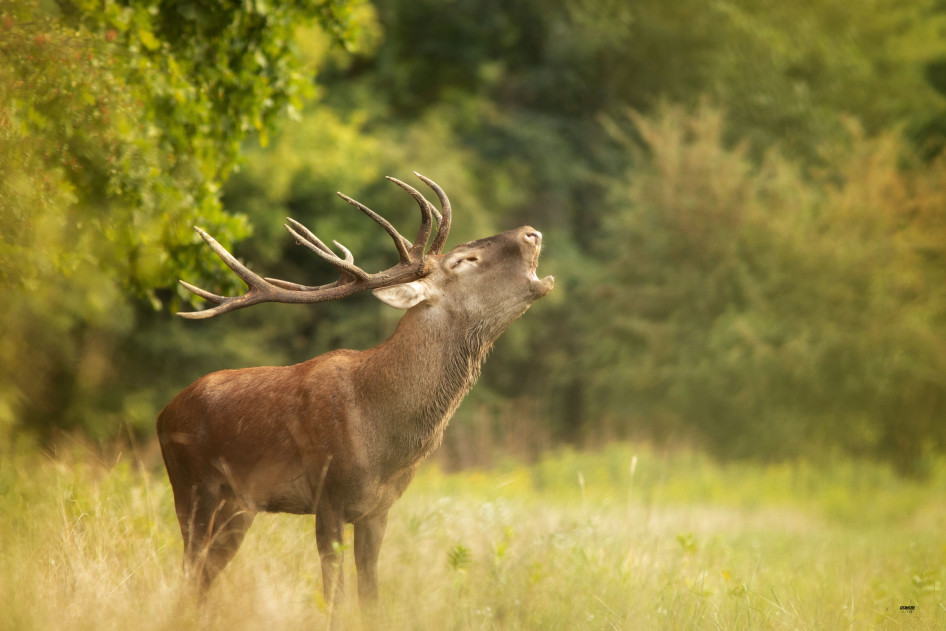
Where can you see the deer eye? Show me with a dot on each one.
(465, 261)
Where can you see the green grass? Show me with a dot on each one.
(576, 541)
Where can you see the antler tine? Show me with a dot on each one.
(313, 243)
(225, 303)
(203, 293)
(400, 242)
(241, 270)
(444, 228)
(307, 234)
(258, 287)
(285, 284)
(427, 211)
(348, 255)
(418, 197)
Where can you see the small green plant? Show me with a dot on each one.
(501, 547)
(459, 558)
(688, 542)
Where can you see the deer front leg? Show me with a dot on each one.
(329, 532)
(368, 535)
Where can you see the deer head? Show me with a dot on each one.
(489, 282)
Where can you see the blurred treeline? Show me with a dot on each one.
(743, 203)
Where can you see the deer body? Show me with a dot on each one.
(341, 435)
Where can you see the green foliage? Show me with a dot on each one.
(118, 124)
(784, 70)
(770, 312)
(212, 72)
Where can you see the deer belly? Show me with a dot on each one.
(279, 488)
(289, 503)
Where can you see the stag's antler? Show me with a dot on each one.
(352, 279)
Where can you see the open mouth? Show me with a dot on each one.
(534, 265)
(539, 287)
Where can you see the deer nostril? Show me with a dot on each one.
(534, 236)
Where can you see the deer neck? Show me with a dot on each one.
(414, 381)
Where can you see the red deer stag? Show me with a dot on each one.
(341, 435)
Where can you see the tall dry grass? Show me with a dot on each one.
(576, 541)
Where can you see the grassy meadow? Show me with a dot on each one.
(627, 537)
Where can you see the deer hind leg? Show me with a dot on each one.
(213, 524)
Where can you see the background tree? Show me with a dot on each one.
(119, 123)
(741, 202)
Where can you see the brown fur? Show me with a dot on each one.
(342, 434)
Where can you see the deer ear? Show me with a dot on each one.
(403, 296)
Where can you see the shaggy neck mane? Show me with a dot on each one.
(423, 385)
